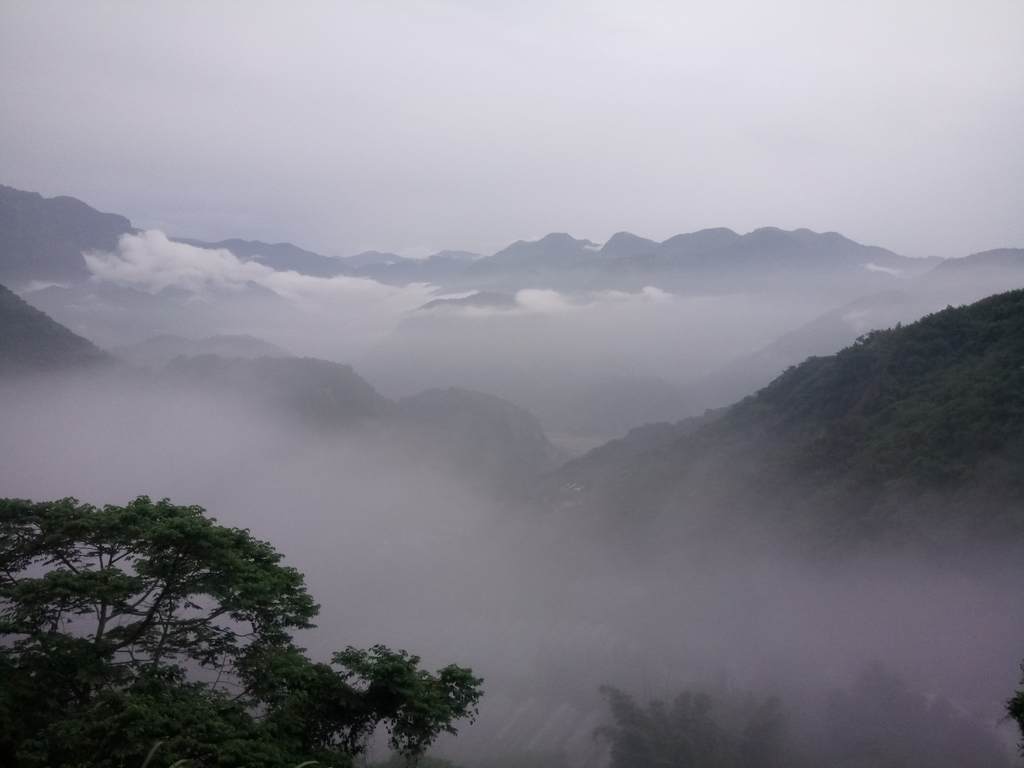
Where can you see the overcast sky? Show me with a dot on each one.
(417, 126)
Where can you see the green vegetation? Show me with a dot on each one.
(914, 433)
(876, 721)
(926, 402)
(697, 729)
(1015, 711)
(127, 626)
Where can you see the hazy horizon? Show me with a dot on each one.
(417, 127)
(420, 470)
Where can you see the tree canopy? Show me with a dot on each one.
(697, 730)
(126, 626)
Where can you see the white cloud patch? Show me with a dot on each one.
(542, 301)
(547, 301)
(152, 262)
(329, 316)
(870, 267)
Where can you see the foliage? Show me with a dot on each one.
(1015, 711)
(925, 401)
(696, 731)
(913, 434)
(124, 626)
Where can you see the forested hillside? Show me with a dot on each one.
(914, 432)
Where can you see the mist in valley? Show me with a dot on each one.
(399, 546)
(662, 363)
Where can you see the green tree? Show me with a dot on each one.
(124, 626)
(1015, 711)
(697, 730)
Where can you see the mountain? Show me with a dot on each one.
(950, 282)
(388, 268)
(42, 239)
(716, 260)
(911, 434)
(119, 316)
(478, 299)
(160, 350)
(555, 251)
(625, 245)
(282, 257)
(488, 440)
(31, 342)
(1000, 258)
(824, 335)
(374, 259)
(321, 394)
(504, 443)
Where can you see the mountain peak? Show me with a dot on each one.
(626, 244)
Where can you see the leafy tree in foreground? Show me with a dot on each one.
(124, 626)
(1015, 711)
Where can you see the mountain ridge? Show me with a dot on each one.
(32, 342)
(41, 239)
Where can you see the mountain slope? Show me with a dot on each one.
(504, 443)
(490, 441)
(31, 342)
(43, 238)
(912, 433)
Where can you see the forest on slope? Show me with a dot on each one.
(912, 433)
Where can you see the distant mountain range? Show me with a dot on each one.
(861, 287)
(42, 240)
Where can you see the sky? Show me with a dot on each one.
(413, 127)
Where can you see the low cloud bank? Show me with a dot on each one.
(325, 317)
(150, 261)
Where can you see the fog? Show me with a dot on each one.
(591, 361)
(407, 551)
(365, 130)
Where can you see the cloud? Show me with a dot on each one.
(551, 302)
(870, 267)
(325, 316)
(150, 261)
(542, 301)
(545, 301)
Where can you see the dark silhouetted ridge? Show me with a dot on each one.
(32, 342)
